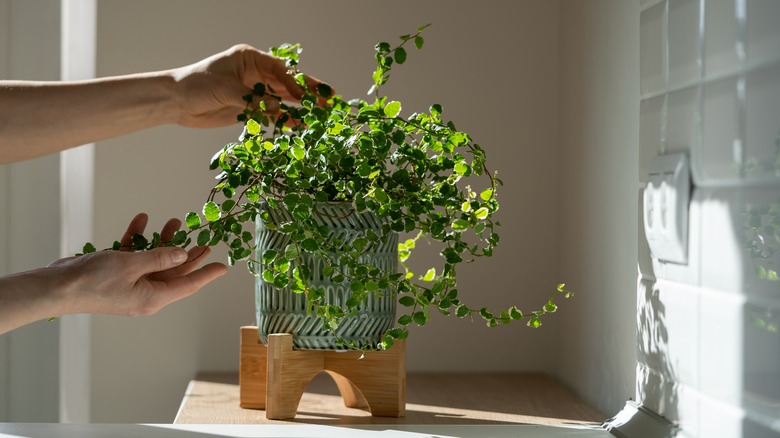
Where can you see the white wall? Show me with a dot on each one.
(599, 110)
(708, 343)
(493, 65)
(30, 218)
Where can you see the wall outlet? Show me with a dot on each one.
(667, 196)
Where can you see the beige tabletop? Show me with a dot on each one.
(473, 398)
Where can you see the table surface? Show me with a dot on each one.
(293, 430)
(432, 398)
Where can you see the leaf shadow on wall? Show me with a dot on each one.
(656, 375)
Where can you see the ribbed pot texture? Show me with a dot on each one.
(283, 311)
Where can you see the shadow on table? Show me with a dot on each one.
(505, 398)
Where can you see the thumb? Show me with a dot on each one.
(159, 259)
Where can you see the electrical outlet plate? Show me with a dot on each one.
(667, 196)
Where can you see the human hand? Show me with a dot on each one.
(135, 283)
(210, 91)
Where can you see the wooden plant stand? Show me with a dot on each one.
(274, 376)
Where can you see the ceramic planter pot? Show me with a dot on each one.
(279, 310)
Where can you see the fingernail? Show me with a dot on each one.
(179, 256)
(271, 105)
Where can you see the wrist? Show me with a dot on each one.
(33, 295)
(160, 96)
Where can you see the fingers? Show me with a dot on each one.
(194, 257)
(169, 229)
(265, 68)
(186, 285)
(272, 104)
(158, 259)
(137, 226)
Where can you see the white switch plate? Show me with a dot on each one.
(666, 202)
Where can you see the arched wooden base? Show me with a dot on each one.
(274, 376)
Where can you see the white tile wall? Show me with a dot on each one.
(684, 53)
(682, 119)
(652, 132)
(762, 36)
(652, 63)
(708, 345)
(762, 122)
(720, 52)
(715, 162)
(721, 346)
(721, 254)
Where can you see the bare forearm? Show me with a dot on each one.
(40, 118)
(31, 296)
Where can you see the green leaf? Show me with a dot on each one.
(461, 168)
(291, 251)
(379, 194)
(377, 76)
(534, 322)
(139, 242)
(88, 248)
(419, 41)
(203, 237)
(430, 275)
(460, 225)
(211, 211)
(309, 245)
(382, 47)
(481, 213)
(228, 204)
(193, 220)
(298, 152)
(281, 280)
(356, 286)
(392, 109)
(419, 318)
(451, 255)
(406, 301)
(324, 90)
(486, 195)
(179, 237)
(405, 320)
(252, 127)
(462, 311)
(550, 307)
(269, 256)
(360, 244)
(400, 55)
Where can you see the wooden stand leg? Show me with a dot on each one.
(352, 396)
(274, 377)
(380, 377)
(253, 369)
(289, 372)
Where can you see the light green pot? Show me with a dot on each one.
(283, 311)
